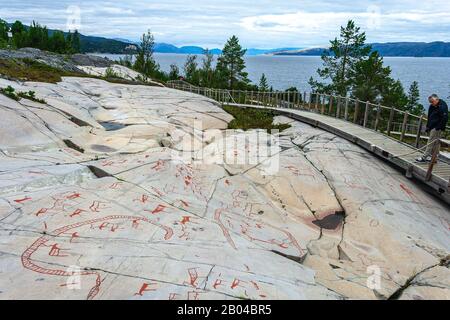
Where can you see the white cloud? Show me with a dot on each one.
(265, 23)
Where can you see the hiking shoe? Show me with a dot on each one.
(423, 159)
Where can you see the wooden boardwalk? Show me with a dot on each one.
(391, 150)
(363, 123)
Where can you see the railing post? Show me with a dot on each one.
(294, 99)
(330, 105)
(355, 116)
(317, 101)
(405, 121)
(310, 101)
(338, 109)
(299, 99)
(346, 109)
(391, 118)
(304, 99)
(419, 132)
(377, 119)
(322, 109)
(366, 114)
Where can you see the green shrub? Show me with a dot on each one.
(110, 73)
(31, 95)
(252, 118)
(10, 92)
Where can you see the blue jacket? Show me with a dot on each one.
(438, 116)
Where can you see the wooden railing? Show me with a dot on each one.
(397, 124)
(400, 125)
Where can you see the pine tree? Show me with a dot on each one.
(413, 105)
(3, 34)
(174, 73)
(263, 85)
(191, 70)
(340, 59)
(207, 71)
(394, 95)
(38, 37)
(370, 78)
(3, 30)
(145, 63)
(231, 65)
(17, 27)
(76, 42)
(57, 42)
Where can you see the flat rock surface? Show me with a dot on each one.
(111, 191)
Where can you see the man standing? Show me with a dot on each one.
(437, 121)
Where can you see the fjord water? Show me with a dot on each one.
(433, 74)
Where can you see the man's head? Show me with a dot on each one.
(434, 100)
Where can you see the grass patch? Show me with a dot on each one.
(31, 70)
(31, 95)
(249, 118)
(10, 92)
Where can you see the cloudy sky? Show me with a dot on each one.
(258, 23)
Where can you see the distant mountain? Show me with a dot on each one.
(255, 52)
(393, 49)
(91, 44)
(162, 47)
(99, 44)
(413, 49)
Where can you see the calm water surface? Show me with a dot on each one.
(282, 72)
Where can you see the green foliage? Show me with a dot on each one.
(263, 85)
(17, 27)
(37, 36)
(250, 118)
(208, 73)
(31, 70)
(10, 92)
(191, 71)
(350, 68)
(394, 95)
(76, 42)
(413, 105)
(3, 30)
(174, 73)
(127, 61)
(4, 40)
(145, 62)
(30, 95)
(231, 65)
(340, 59)
(57, 43)
(110, 73)
(370, 79)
